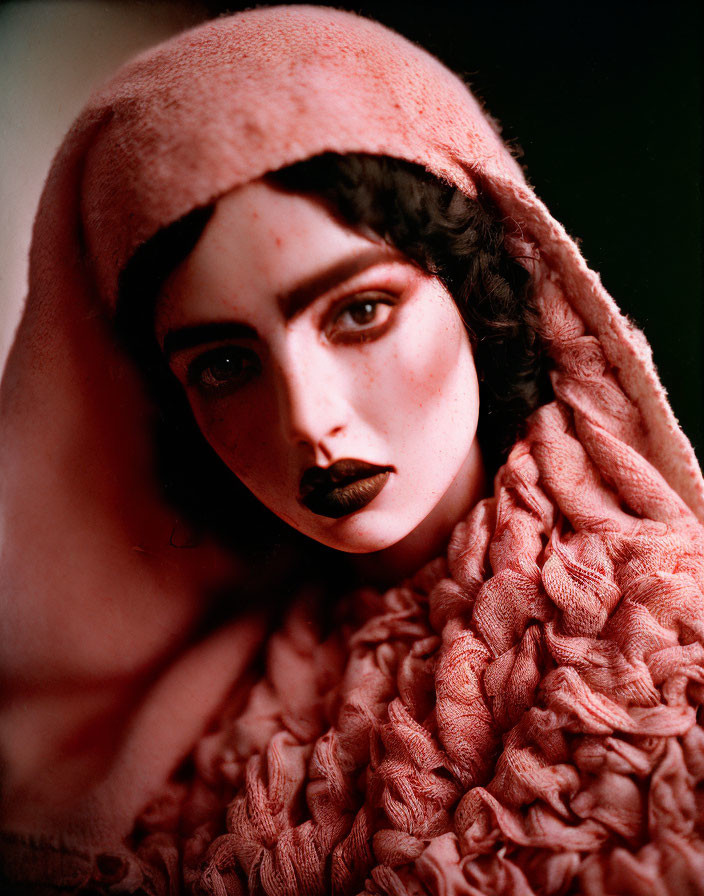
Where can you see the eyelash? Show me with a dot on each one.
(362, 333)
(208, 361)
(201, 370)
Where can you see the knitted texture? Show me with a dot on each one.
(520, 717)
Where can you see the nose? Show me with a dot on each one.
(313, 407)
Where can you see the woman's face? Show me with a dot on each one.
(330, 373)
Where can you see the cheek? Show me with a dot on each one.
(242, 433)
(245, 435)
(427, 377)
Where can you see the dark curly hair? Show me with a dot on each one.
(462, 241)
(459, 239)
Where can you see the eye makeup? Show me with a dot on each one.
(352, 313)
(330, 280)
(362, 318)
(183, 338)
(225, 367)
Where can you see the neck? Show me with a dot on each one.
(430, 538)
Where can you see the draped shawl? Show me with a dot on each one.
(523, 716)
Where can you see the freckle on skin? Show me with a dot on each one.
(414, 370)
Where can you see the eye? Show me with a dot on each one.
(226, 367)
(362, 319)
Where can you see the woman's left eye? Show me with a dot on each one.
(361, 319)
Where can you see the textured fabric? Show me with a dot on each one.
(521, 717)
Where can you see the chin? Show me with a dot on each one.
(364, 532)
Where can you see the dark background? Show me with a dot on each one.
(604, 101)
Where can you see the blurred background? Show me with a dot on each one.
(602, 98)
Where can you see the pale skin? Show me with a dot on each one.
(350, 351)
(301, 341)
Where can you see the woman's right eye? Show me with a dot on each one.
(227, 367)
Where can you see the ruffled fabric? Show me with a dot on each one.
(522, 717)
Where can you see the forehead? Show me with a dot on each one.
(260, 246)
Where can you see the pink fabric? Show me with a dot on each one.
(519, 718)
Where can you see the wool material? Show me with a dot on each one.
(523, 716)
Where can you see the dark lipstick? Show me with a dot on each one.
(343, 487)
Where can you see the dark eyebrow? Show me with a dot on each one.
(291, 303)
(297, 299)
(199, 334)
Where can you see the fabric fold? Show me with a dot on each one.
(522, 716)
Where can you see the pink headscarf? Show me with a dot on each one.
(519, 718)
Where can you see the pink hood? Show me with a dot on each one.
(520, 716)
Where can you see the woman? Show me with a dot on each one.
(294, 227)
(519, 713)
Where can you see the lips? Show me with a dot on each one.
(342, 488)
